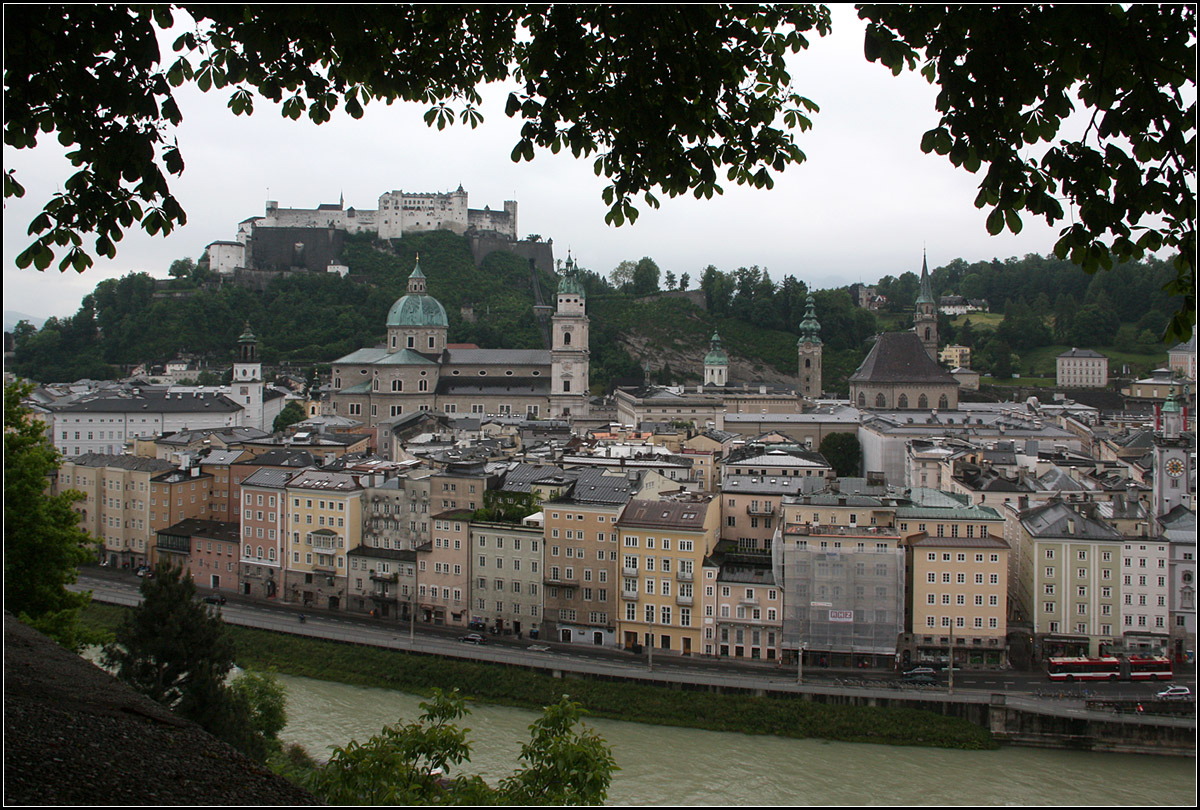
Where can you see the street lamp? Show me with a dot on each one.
(800, 663)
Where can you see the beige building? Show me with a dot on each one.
(324, 524)
(582, 547)
(1065, 579)
(955, 356)
(663, 546)
(116, 503)
(506, 576)
(1082, 368)
(958, 593)
(743, 607)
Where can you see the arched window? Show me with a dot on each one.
(862, 399)
(903, 401)
(923, 402)
(566, 338)
(880, 402)
(927, 333)
(259, 555)
(422, 385)
(271, 554)
(248, 551)
(943, 402)
(807, 362)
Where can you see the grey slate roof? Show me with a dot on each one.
(150, 401)
(517, 386)
(154, 465)
(1055, 520)
(900, 357)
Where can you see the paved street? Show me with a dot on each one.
(1028, 690)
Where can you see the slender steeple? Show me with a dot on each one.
(925, 317)
(925, 293)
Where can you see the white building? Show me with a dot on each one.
(1082, 368)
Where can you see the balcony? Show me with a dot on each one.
(553, 579)
(627, 571)
(629, 594)
(685, 601)
(684, 576)
(762, 509)
(748, 600)
(378, 577)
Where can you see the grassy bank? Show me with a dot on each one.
(513, 686)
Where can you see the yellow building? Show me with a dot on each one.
(324, 523)
(958, 589)
(116, 504)
(663, 546)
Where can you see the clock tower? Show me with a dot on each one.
(1173, 484)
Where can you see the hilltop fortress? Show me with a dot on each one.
(291, 240)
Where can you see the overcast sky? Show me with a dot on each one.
(864, 205)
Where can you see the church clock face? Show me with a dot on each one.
(1174, 468)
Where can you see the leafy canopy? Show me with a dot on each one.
(411, 763)
(43, 543)
(1010, 75)
(663, 98)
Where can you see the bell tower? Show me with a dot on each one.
(925, 318)
(569, 355)
(809, 349)
(247, 386)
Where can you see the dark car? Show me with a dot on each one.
(215, 599)
(920, 675)
(472, 638)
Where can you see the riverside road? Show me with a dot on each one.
(1029, 690)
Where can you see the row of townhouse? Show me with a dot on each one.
(849, 578)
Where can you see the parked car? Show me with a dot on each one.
(920, 675)
(1175, 693)
(472, 638)
(215, 599)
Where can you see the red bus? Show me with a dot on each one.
(1111, 668)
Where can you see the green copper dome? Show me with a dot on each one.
(810, 328)
(716, 355)
(570, 284)
(417, 308)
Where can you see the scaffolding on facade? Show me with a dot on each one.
(840, 600)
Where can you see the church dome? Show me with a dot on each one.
(417, 309)
(716, 355)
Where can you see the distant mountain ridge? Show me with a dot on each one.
(12, 318)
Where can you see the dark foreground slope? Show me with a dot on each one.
(73, 735)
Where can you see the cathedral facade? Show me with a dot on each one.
(416, 369)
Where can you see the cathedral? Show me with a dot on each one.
(901, 371)
(417, 370)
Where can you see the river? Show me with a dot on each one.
(672, 766)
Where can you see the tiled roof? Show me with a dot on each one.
(900, 357)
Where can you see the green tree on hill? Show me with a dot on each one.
(43, 544)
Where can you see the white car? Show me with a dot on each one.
(1175, 693)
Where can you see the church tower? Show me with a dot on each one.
(809, 348)
(247, 387)
(1172, 483)
(716, 364)
(925, 317)
(569, 348)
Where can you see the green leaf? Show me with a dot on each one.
(995, 221)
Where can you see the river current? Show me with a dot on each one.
(669, 766)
